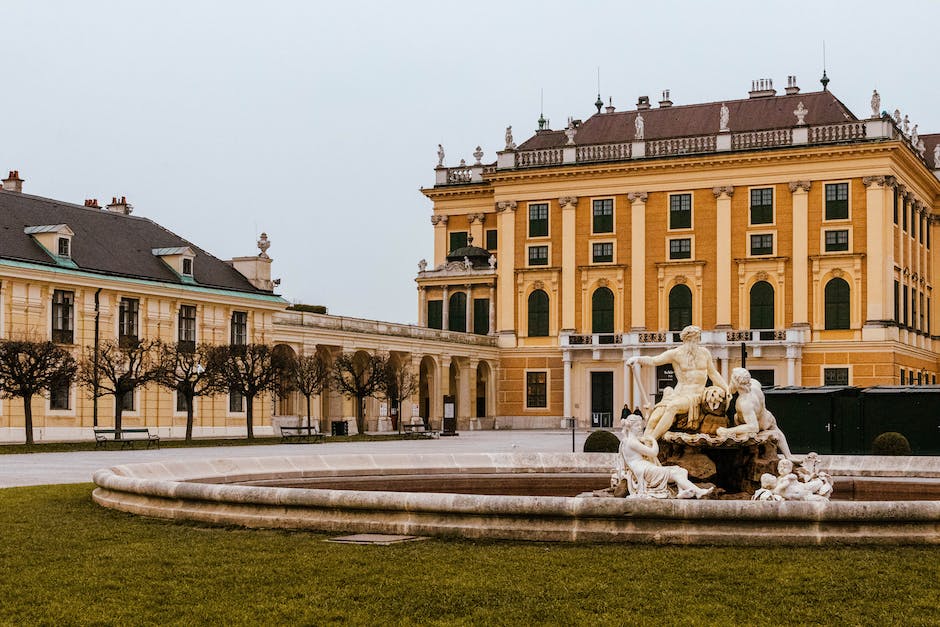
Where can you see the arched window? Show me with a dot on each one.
(602, 308)
(538, 314)
(762, 306)
(457, 312)
(838, 308)
(680, 307)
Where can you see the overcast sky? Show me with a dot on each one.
(318, 123)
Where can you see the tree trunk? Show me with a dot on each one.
(28, 413)
(360, 415)
(189, 417)
(249, 407)
(308, 413)
(118, 413)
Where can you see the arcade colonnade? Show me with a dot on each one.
(449, 366)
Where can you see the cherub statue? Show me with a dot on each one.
(751, 414)
(766, 491)
(790, 488)
(467, 263)
(645, 477)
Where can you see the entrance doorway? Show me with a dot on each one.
(602, 399)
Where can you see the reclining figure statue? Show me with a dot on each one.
(751, 414)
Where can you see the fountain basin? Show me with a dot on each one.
(213, 491)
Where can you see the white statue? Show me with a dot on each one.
(897, 117)
(492, 262)
(921, 148)
(467, 263)
(440, 156)
(570, 132)
(723, 117)
(915, 135)
(751, 414)
(478, 155)
(800, 113)
(875, 104)
(906, 125)
(645, 477)
(936, 157)
(638, 123)
(789, 487)
(693, 366)
(510, 144)
(766, 491)
(422, 265)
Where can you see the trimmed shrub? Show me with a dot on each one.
(891, 443)
(602, 442)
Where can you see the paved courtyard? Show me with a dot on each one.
(78, 467)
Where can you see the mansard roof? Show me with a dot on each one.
(751, 114)
(106, 242)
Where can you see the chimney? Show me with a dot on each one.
(643, 103)
(610, 108)
(92, 203)
(762, 88)
(791, 86)
(665, 102)
(120, 206)
(13, 182)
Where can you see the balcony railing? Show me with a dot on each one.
(757, 337)
(376, 327)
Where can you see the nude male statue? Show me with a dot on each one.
(751, 414)
(693, 366)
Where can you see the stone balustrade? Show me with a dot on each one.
(762, 139)
(603, 152)
(681, 146)
(375, 327)
(714, 338)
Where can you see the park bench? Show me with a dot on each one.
(129, 435)
(418, 430)
(302, 432)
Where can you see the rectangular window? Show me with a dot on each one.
(538, 220)
(602, 252)
(63, 317)
(491, 239)
(680, 211)
(904, 216)
(921, 325)
(835, 376)
(129, 320)
(604, 215)
(902, 376)
(536, 389)
(64, 246)
(895, 205)
(239, 328)
(913, 308)
(762, 206)
(928, 315)
(837, 201)
(127, 401)
(458, 239)
(920, 231)
(187, 326)
(538, 255)
(920, 378)
(187, 266)
(435, 314)
(913, 220)
(762, 244)
(236, 402)
(897, 303)
(907, 319)
(481, 316)
(837, 240)
(59, 395)
(180, 403)
(680, 248)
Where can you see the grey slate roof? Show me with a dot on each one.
(107, 243)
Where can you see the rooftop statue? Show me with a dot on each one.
(510, 144)
(639, 126)
(723, 117)
(440, 156)
(875, 104)
(693, 366)
(936, 157)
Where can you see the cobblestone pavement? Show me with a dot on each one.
(78, 467)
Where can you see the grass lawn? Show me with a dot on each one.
(64, 560)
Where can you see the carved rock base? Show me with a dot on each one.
(735, 467)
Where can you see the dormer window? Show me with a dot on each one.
(179, 259)
(65, 249)
(187, 266)
(56, 239)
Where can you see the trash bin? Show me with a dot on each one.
(339, 427)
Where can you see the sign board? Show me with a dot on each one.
(383, 409)
(414, 410)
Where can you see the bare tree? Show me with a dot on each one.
(398, 384)
(28, 369)
(358, 376)
(120, 368)
(309, 375)
(188, 371)
(248, 369)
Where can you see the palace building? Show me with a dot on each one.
(781, 222)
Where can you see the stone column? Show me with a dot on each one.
(566, 359)
(443, 390)
(627, 392)
(422, 306)
(505, 272)
(637, 261)
(463, 394)
(476, 221)
(492, 330)
(440, 239)
(800, 191)
(879, 250)
(469, 316)
(793, 365)
(723, 266)
(569, 205)
(445, 308)
(472, 393)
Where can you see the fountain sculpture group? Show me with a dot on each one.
(721, 434)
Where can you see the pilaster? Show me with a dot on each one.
(440, 239)
(637, 260)
(879, 250)
(477, 221)
(505, 271)
(723, 257)
(569, 205)
(800, 191)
